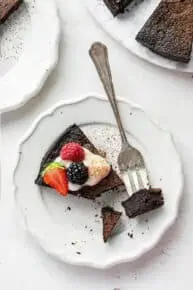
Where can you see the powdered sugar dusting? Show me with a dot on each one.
(106, 138)
(13, 33)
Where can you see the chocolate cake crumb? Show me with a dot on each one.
(78, 253)
(110, 219)
(130, 235)
(73, 243)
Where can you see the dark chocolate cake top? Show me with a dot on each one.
(117, 6)
(169, 30)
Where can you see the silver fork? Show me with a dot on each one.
(130, 161)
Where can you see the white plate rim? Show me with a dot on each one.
(153, 58)
(118, 261)
(47, 66)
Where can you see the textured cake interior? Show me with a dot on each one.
(110, 219)
(143, 201)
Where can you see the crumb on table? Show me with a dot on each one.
(130, 235)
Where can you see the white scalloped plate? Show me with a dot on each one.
(125, 27)
(70, 235)
(29, 51)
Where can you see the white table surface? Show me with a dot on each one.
(168, 98)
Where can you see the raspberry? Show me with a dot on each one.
(72, 152)
(77, 173)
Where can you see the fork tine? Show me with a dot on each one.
(143, 176)
(135, 180)
(139, 179)
(132, 179)
(128, 181)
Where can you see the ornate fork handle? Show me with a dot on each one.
(99, 55)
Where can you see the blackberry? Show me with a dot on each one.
(77, 173)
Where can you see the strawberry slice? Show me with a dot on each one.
(56, 177)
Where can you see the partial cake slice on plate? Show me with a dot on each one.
(110, 219)
(117, 6)
(169, 30)
(7, 7)
(74, 165)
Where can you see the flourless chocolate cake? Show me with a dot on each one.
(169, 30)
(75, 134)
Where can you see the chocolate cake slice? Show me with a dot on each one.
(7, 7)
(75, 134)
(143, 201)
(169, 30)
(117, 6)
(110, 219)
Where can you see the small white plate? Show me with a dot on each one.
(70, 228)
(28, 51)
(124, 29)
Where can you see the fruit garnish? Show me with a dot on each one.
(72, 152)
(51, 166)
(77, 173)
(55, 176)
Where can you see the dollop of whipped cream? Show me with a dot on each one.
(98, 169)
